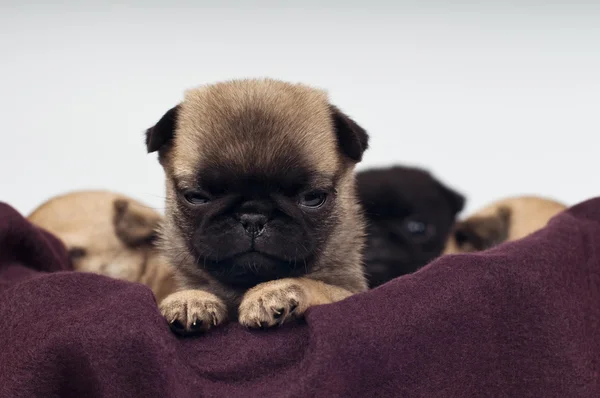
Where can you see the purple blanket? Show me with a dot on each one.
(521, 320)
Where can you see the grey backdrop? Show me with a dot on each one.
(497, 98)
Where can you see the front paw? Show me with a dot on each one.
(272, 303)
(193, 311)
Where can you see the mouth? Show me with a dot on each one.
(249, 268)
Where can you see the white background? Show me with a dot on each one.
(496, 99)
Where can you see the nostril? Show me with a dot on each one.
(254, 224)
(254, 229)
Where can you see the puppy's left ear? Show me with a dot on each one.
(456, 200)
(161, 134)
(352, 139)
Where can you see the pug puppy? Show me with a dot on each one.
(506, 220)
(108, 234)
(409, 214)
(262, 220)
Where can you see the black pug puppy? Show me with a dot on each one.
(410, 215)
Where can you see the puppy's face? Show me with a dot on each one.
(409, 215)
(505, 220)
(104, 232)
(258, 176)
(479, 233)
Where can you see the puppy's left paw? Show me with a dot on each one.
(273, 303)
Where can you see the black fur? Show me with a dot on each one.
(410, 215)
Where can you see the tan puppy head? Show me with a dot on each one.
(506, 220)
(260, 185)
(108, 234)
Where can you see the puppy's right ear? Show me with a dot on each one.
(160, 135)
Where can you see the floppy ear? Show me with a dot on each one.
(352, 139)
(134, 224)
(456, 200)
(161, 134)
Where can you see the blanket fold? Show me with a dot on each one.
(520, 320)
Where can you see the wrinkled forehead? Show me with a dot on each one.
(254, 132)
(220, 180)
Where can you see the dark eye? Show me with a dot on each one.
(196, 198)
(417, 229)
(313, 199)
(460, 237)
(77, 253)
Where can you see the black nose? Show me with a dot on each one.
(253, 223)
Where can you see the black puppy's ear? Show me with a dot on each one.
(456, 200)
(162, 132)
(352, 139)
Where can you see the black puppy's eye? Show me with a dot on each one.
(415, 227)
(77, 253)
(313, 199)
(196, 198)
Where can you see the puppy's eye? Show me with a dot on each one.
(313, 199)
(461, 238)
(76, 253)
(417, 229)
(196, 198)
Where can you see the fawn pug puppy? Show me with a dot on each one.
(502, 221)
(262, 220)
(109, 234)
(410, 214)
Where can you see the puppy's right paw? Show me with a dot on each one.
(193, 311)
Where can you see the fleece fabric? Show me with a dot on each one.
(521, 320)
